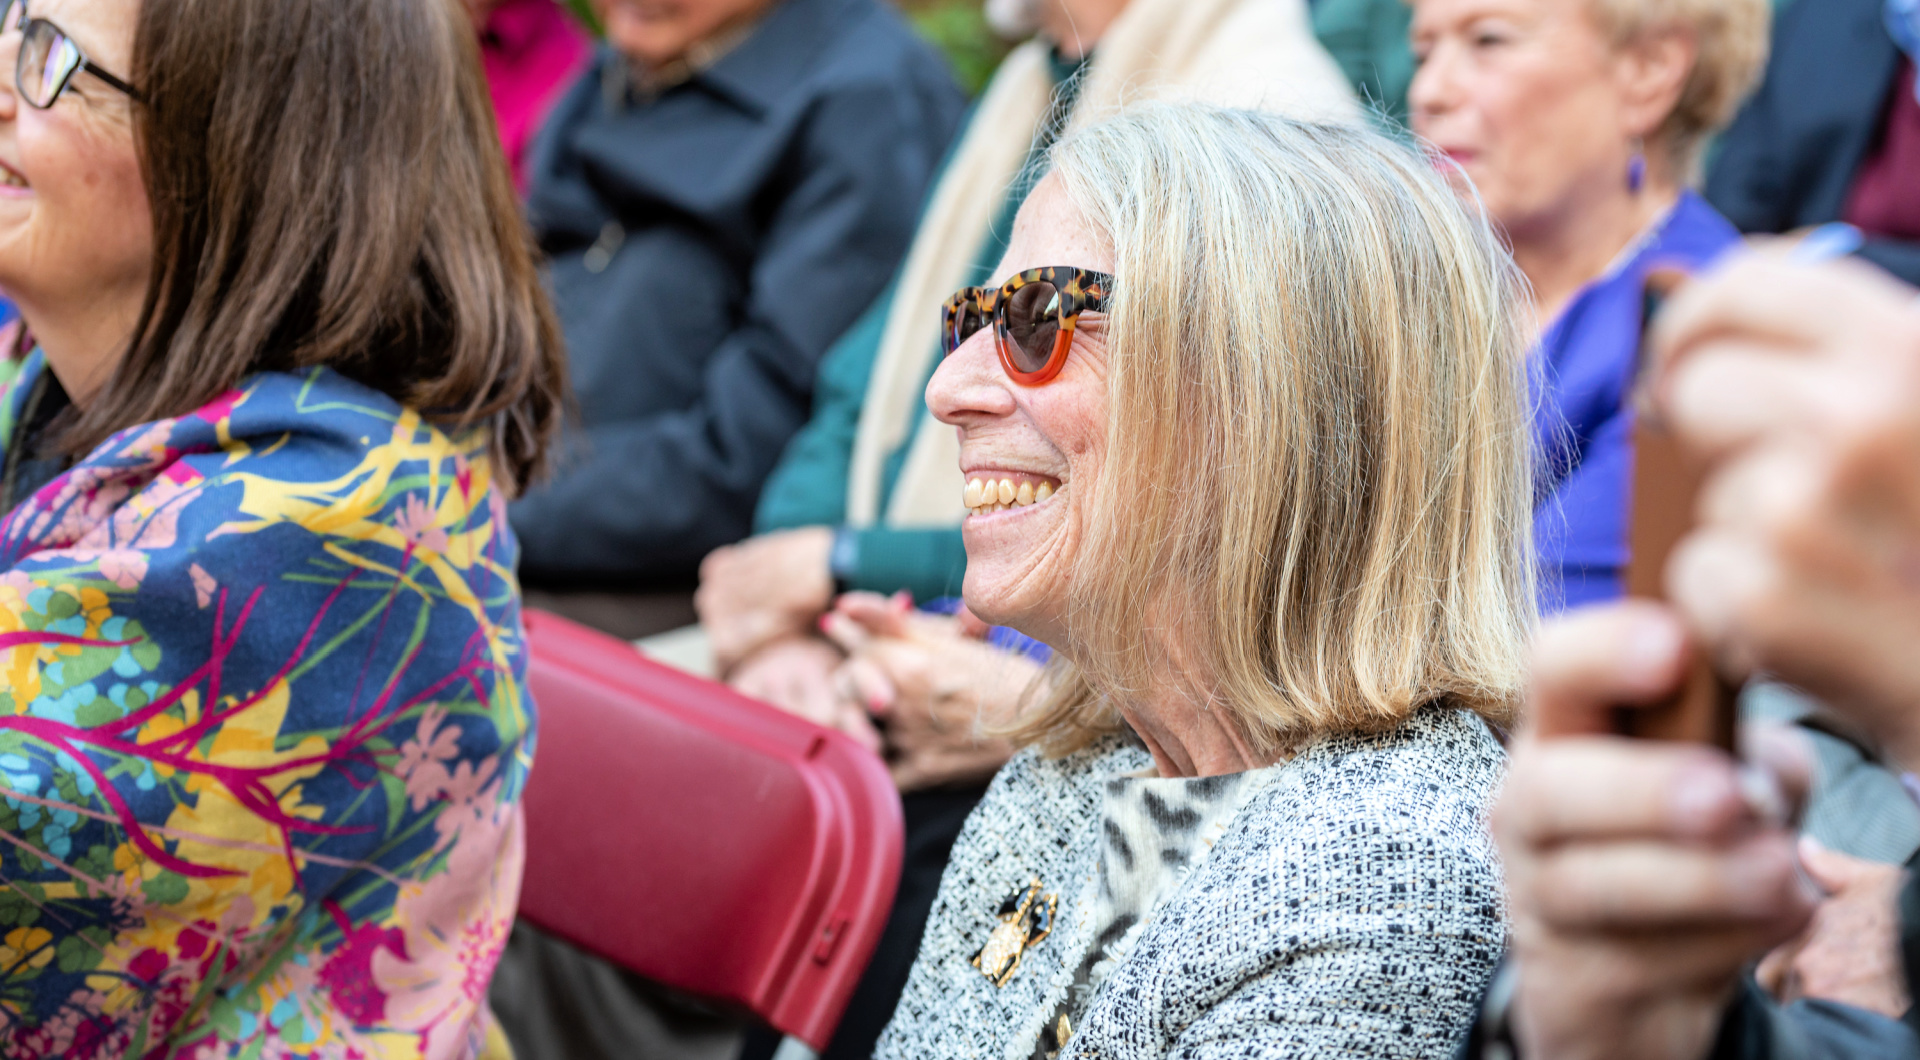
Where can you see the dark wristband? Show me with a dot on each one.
(844, 558)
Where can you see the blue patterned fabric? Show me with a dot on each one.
(263, 733)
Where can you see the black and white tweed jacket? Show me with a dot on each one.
(1352, 907)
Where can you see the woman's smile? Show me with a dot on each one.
(991, 491)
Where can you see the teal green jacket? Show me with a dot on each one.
(1368, 38)
(809, 487)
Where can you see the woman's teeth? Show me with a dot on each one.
(10, 179)
(985, 495)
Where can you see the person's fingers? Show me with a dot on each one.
(754, 685)
(1782, 754)
(848, 633)
(875, 612)
(1724, 580)
(1796, 599)
(1593, 661)
(907, 774)
(1761, 296)
(853, 721)
(715, 562)
(1734, 393)
(1614, 788)
(1640, 886)
(872, 689)
(1774, 973)
(1771, 485)
(1832, 870)
(814, 690)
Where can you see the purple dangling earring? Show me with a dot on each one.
(1637, 169)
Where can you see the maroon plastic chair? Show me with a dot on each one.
(701, 839)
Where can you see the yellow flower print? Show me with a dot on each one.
(25, 947)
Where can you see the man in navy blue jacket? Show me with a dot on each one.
(721, 193)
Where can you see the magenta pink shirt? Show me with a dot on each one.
(532, 51)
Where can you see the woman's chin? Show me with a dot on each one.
(1016, 599)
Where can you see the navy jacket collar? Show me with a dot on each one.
(779, 54)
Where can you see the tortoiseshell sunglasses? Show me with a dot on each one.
(1033, 314)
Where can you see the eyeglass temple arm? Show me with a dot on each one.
(112, 82)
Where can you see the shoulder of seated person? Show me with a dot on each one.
(318, 423)
(1435, 743)
(1032, 768)
(1435, 776)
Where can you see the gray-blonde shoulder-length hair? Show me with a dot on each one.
(1315, 507)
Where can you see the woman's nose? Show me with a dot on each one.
(969, 386)
(1432, 91)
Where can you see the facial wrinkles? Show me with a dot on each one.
(1022, 552)
(1027, 453)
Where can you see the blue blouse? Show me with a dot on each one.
(1583, 423)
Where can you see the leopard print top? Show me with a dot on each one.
(1351, 905)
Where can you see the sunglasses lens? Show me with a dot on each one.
(962, 319)
(1033, 323)
(47, 60)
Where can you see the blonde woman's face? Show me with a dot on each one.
(1041, 446)
(1527, 97)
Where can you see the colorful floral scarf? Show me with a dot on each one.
(263, 733)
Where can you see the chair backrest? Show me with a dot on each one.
(702, 839)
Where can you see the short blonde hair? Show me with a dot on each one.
(1317, 486)
(1731, 38)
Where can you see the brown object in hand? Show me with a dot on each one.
(1666, 489)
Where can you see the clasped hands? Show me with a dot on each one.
(925, 691)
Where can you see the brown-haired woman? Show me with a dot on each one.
(263, 722)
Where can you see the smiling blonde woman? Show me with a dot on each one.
(1265, 381)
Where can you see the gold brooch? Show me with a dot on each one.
(1026, 917)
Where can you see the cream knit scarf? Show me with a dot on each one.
(1258, 53)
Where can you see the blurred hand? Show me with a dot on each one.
(933, 684)
(1801, 386)
(765, 588)
(796, 674)
(1643, 876)
(1851, 952)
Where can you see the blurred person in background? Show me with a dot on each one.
(1648, 877)
(1833, 134)
(861, 499)
(1245, 355)
(532, 51)
(254, 429)
(721, 193)
(1580, 124)
(868, 497)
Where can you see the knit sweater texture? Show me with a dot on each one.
(1352, 907)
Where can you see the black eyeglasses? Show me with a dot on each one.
(49, 58)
